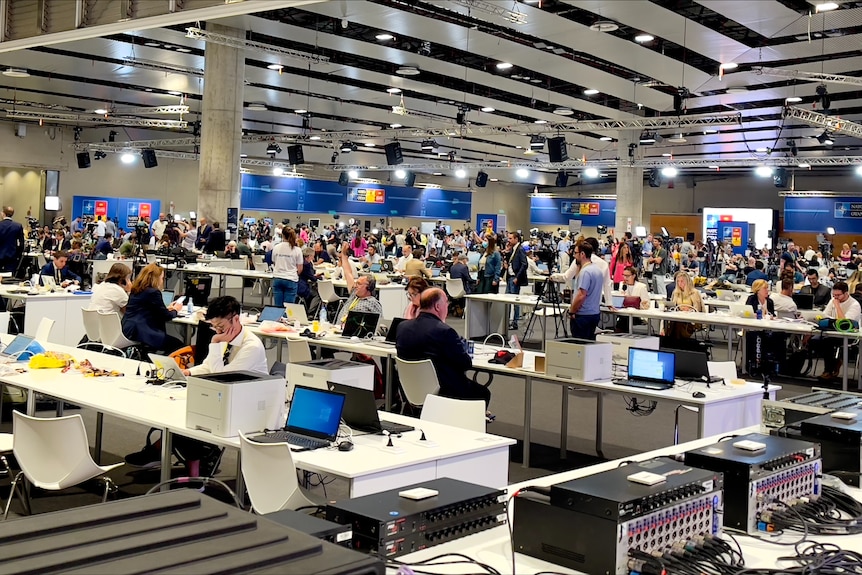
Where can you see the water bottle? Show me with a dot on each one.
(761, 311)
(190, 307)
(323, 317)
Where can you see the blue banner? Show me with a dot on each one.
(126, 211)
(814, 215)
(558, 211)
(273, 193)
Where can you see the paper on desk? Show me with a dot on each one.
(723, 369)
(529, 362)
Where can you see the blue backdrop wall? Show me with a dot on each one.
(126, 210)
(272, 193)
(558, 211)
(816, 214)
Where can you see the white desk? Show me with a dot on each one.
(62, 306)
(391, 296)
(489, 313)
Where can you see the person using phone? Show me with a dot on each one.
(112, 294)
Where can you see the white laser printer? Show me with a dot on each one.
(226, 403)
(579, 359)
(623, 341)
(318, 372)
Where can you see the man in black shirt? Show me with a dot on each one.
(822, 294)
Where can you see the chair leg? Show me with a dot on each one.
(19, 488)
(110, 487)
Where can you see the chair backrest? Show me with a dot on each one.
(418, 379)
(91, 324)
(43, 331)
(51, 452)
(41, 261)
(278, 368)
(270, 476)
(326, 291)
(5, 316)
(111, 330)
(455, 288)
(298, 350)
(464, 413)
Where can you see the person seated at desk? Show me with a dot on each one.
(760, 297)
(782, 302)
(321, 256)
(756, 274)
(407, 255)
(361, 290)
(684, 298)
(112, 294)
(146, 315)
(415, 267)
(415, 287)
(820, 292)
(428, 337)
(57, 269)
(857, 294)
(104, 247)
(306, 289)
(230, 251)
(631, 288)
(233, 347)
(841, 306)
(461, 271)
(371, 257)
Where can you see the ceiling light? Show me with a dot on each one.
(713, 167)
(437, 174)
(243, 155)
(826, 7)
(400, 174)
(504, 65)
(273, 149)
(428, 145)
(346, 147)
(278, 67)
(384, 36)
(100, 111)
(393, 90)
(277, 171)
(300, 111)
(729, 66)
(669, 172)
(407, 71)
(353, 174)
(460, 173)
(563, 111)
(175, 93)
(803, 165)
(16, 73)
(604, 26)
(591, 172)
(488, 109)
(536, 81)
(522, 173)
(710, 131)
(590, 92)
(314, 137)
(184, 50)
(128, 158)
(677, 139)
(537, 142)
(825, 139)
(540, 122)
(737, 90)
(793, 100)
(644, 38)
(256, 106)
(761, 150)
(606, 139)
(152, 44)
(370, 144)
(763, 171)
(859, 170)
(667, 155)
(519, 147)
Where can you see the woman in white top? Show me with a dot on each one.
(631, 287)
(112, 294)
(286, 267)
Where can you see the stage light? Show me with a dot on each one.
(460, 173)
(537, 142)
(591, 172)
(428, 145)
(763, 171)
(277, 171)
(347, 147)
(273, 149)
(400, 174)
(825, 139)
(522, 173)
(127, 158)
(353, 174)
(830, 231)
(669, 172)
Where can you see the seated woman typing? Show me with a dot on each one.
(146, 314)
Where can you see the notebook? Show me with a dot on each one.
(312, 421)
(270, 313)
(649, 369)
(295, 311)
(691, 365)
(16, 346)
(167, 297)
(167, 368)
(360, 324)
(391, 334)
(360, 411)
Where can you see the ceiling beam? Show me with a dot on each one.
(831, 124)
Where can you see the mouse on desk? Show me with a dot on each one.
(698, 395)
(345, 446)
(354, 338)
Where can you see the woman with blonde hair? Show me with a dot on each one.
(854, 280)
(760, 297)
(684, 298)
(146, 315)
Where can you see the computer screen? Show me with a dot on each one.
(651, 364)
(167, 297)
(271, 313)
(315, 410)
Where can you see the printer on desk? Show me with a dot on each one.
(579, 359)
(318, 372)
(227, 403)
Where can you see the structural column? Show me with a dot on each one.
(221, 128)
(630, 185)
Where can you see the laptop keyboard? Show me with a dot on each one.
(297, 440)
(643, 384)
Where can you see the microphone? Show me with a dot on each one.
(624, 287)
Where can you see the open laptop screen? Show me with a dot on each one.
(167, 297)
(360, 324)
(651, 365)
(271, 313)
(315, 412)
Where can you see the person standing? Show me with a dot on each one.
(216, 241)
(11, 241)
(516, 272)
(490, 266)
(584, 312)
(203, 235)
(287, 265)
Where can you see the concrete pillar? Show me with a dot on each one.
(630, 185)
(221, 129)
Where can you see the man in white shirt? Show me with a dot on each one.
(458, 243)
(100, 228)
(159, 226)
(407, 251)
(372, 257)
(563, 247)
(841, 306)
(783, 301)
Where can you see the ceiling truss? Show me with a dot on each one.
(242, 44)
(831, 124)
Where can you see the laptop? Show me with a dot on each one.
(312, 421)
(618, 301)
(435, 272)
(167, 368)
(391, 334)
(270, 313)
(360, 411)
(16, 347)
(375, 268)
(692, 365)
(649, 369)
(295, 311)
(725, 295)
(386, 266)
(48, 282)
(803, 300)
(360, 324)
(167, 297)
(429, 264)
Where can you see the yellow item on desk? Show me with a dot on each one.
(50, 360)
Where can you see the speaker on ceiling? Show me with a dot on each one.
(83, 159)
(367, 226)
(343, 179)
(557, 151)
(562, 179)
(295, 155)
(393, 153)
(481, 179)
(779, 178)
(148, 155)
(409, 179)
(654, 178)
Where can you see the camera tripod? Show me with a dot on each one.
(549, 299)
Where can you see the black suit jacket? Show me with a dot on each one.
(426, 337)
(65, 273)
(11, 240)
(203, 235)
(462, 272)
(146, 317)
(216, 241)
(518, 265)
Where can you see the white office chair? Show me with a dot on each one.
(326, 292)
(455, 288)
(298, 350)
(43, 331)
(54, 454)
(270, 477)
(6, 442)
(111, 333)
(91, 328)
(418, 380)
(5, 316)
(41, 261)
(464, 413)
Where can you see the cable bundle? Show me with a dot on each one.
(699, 555)
(833, 513)
(639, 409)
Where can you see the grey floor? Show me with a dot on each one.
(624, 434)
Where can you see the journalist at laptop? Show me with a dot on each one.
(233, 347)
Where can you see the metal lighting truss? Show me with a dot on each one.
(496, 10)
(243, 44)
(812, 76)
(831, 124)
(787, 162)
(162, 67)
(96, 119)
(180, 109)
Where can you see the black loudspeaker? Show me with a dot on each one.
(294, 155)
(343, 179)
(367, 226)
(562, 179)
(83, 159)
(689, 236)
(779, 178)
(481, 180)
(393, 153)
(409, 179)
(149, 157)
(557, 151)
(654, 178)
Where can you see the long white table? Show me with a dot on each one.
(369, 467)
(61, 306)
